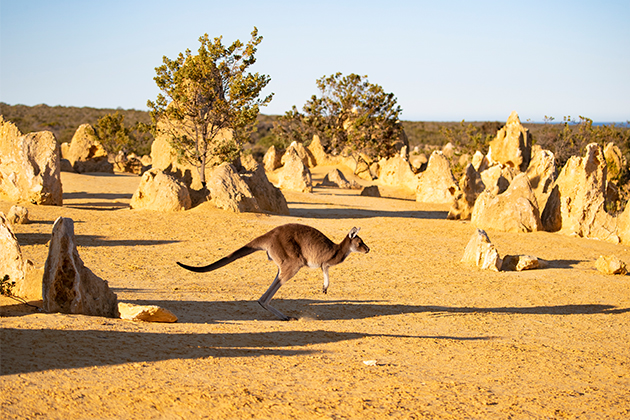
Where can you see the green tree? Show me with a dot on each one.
(291, 127)
(205, 94)
(115, 136)
(112, 133)
(351, 113)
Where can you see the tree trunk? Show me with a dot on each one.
(202, 171)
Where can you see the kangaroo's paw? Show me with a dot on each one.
(276, 312)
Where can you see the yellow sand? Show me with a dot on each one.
(442, 339)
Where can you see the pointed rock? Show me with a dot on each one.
(481, 252)
(516, 210)
(576, 205)
(512, 145)
(435, 184)
(335, 178)
(68, 285)
(542, 174)
(295, 176)
(396, 172)
(272, 159)
(270, 199)
(465, 194)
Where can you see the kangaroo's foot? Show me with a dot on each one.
(276, 312)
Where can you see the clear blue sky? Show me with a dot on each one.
(444, 60)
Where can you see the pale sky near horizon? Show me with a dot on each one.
(443, 60)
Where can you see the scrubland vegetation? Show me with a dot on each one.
(564, 139)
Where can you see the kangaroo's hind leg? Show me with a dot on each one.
(284, 275)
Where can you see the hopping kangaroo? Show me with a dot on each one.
(292, 247)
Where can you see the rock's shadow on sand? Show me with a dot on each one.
(87, 348)
(220, 311)
(357, 213)
(96, 201)
(88, 240)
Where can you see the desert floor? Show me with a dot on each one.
(449, 341)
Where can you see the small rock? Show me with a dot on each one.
(520, 263)
(146, 313)
(481, 252)
(610, 265)
(18, 215)
(335, 178)
(371, 191)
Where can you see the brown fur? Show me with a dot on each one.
(291, 247)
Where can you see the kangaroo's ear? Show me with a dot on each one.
(353, 232)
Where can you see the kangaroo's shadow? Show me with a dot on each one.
(203, 312)
(70, 349)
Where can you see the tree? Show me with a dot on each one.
(291, 127)
(204, 95)
(112, 133)
(115, 136)
(351, 113)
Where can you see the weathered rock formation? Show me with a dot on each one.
(270, 199)
(145, 313)
(129, 164)
(160, 191)
(305, 155)
(512, 145)
(542, 174)
(335, 178)
(371, 191)
(418, 162)
(610, 264)
(396, 172)
(521, 262)
(29, 166)
(576, 205)
(434, 184)
(272, 159)
(295, 176)
(13, 265)
(480, 161)
(85, 152)
(481, 252)
(18, 215)
(497, 178)
(623, 225)
(230, 192)
(68, 285)
(319, 155)
(465, 194)
(515, 210)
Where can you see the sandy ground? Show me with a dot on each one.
(449, 341)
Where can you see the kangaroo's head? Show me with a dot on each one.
(356, 243)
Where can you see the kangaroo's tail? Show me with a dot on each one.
(239, 253)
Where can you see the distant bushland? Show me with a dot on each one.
(565, 138)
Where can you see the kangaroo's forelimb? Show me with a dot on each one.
(292, 247)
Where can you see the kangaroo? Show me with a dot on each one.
(291, 247)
